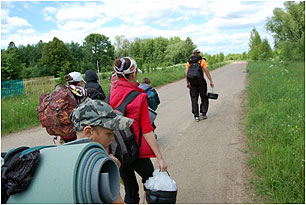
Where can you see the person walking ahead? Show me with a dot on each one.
(197, 84)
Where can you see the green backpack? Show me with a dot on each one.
(153, 99)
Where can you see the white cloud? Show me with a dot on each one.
(26, 31)
(78, 12)
(11, 24)
(48, 13)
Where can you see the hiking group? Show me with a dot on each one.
(121, 122)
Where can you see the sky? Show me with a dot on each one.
(213, 26)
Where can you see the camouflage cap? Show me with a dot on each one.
(98, 113)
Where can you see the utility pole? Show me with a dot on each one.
(98, 71)
(95, 53)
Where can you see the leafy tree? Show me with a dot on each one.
(122, 46)
(160, 46)
(265, 50)
(288, 29)
(174, 40)
(78, 53)
(189, 47)
(10, 63)
(98, 48)
(254, 44)
(244, 56)
(56, 59)
(175, 52)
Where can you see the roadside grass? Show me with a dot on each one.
(276, 131)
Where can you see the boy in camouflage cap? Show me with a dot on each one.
(96, 120)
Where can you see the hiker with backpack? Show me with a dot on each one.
(197, 84)
(97, 121)
(54, 108)
(126, 72)
(92, 86)
(153, 99)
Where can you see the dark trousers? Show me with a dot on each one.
(143, 167)
(195, 91)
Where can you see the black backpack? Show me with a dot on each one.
(195, 72)
(124, 147)
(18, 170)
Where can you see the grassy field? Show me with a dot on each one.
(276, 131)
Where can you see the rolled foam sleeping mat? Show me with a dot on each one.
(76, 173)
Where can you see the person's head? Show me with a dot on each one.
(96, 120)
(126, 67)
(196, 52)
(146, 81)
(91, 76)
(74, 78)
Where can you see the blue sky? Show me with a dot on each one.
(214, 26)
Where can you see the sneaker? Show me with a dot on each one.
(202, 116)
(197, 119)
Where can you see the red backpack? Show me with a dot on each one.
(54, 110)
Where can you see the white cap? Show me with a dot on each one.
(76, 77)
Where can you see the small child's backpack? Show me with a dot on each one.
(124, 147)
(54, 110)
(195, 72)
(153, 99)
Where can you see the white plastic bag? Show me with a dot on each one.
(160, 181)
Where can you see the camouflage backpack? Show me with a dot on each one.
(54, 110)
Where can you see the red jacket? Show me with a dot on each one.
(137, 109)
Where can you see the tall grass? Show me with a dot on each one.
(276, 130)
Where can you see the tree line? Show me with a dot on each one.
(288, 29)
(57, 58)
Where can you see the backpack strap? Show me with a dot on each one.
(128, 99)
(32, 149)
(107, 99)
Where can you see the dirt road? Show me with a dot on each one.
(206, 158)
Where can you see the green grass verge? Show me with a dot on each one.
(276, 131)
